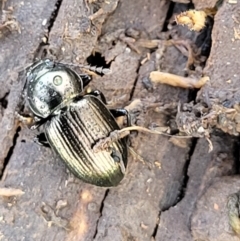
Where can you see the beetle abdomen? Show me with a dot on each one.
(73, 133)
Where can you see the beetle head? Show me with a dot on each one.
(51, 85)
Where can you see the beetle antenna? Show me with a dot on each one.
(96, 69)
(99, 70)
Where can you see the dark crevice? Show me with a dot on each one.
(203, 42)
(54, 15)
(4, 100)
(204, 39)
(185, 178)
(40, 51)
(100, 211)
(98, 60)
(192, 95)
(236, 155)
(135, 82)
(156, 226)
(185, 170)
(168, 17)
(10, 152)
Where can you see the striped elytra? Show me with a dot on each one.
(73, 132)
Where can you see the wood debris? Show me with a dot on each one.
(9, 192)
(193, 19)
(8, 21)
(177, 81)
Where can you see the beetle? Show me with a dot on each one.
(73, 122)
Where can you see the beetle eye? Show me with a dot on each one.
(57, 80)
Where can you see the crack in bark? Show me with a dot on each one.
(168, 16)
(40, 51)
(192, 96)
(54, 15)
(156, 226)
(100, 211)
(185, 176)
(236, 156)
(135, 81)
(183, 187)
(10, 151)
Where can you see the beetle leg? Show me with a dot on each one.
(31, 122)
(41, 140)
(38, 122)
(26, 120)
(86, 79)
(121, 112)
(99, 94)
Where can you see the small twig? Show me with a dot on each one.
(9, 192)
(176, 80)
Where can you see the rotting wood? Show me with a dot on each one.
(131, 210)
(223, 86)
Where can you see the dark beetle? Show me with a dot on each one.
(73, 123)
